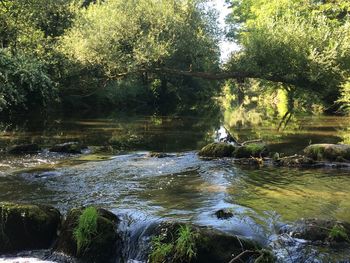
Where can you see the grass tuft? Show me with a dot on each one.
(185, 247)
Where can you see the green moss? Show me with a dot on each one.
(90, 235)
(220, 149)
(251, 150)
(86, 229)
(338, 233)
(26, 226)
(328, 152)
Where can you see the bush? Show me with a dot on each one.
(24, 82)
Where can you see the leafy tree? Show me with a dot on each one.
(298, 43)
(119, 38)
(24, 81)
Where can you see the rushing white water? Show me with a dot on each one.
(23, 260)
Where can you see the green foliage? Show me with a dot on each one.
(295, 43)
(338, 233)
(86, 229)
(185, 245)
(29, 62)
(345, 97)
(24, 81)
(128, 36)
(181, 248)
(160, 250)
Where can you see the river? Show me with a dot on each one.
(143, 189)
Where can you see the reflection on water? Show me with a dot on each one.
(180, 186)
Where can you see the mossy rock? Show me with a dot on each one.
(159, 155)
(210, 246)
(103, 245)
(328, 152)
(217, 149)
(321, 231)
(27, 226)
(23, 149)
(294, 161)
(69, 147)
(251, 150)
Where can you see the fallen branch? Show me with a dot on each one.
(244, 254)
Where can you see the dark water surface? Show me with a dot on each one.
(181, 186)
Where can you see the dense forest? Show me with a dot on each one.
(85, 54)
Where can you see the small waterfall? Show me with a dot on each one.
(135, 234)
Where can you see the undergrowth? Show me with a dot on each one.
(181, 248)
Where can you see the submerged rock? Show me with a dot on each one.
(69, 147)
(224, 213)
(217, 149)
(320, 231)
(328, 152)
(294, 161)
(97, 237)
(179, 242)
(26, 226)
(158, 155)
(24, 149)
(251, 150)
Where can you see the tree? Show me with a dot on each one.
(299, 43)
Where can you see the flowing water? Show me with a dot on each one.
(142, 189)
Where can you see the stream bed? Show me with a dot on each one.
(142, 189)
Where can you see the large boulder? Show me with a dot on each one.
(26, 226)
(251, 150)
(89, 234)
(24, 148)
(320, 231)
(68, 147)
(328, 152)
(180, 242)
(217, 149)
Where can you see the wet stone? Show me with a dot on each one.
(103, 245)
(23, 149)
(224, 213)
(320, 231)
(27, 226)
(328, 152)
(208, 245)
(69, 147)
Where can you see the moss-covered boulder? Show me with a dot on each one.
(26, 226)
(89, 234)
(294, 161)
(180, 242)
(23, 148)
(69, 147)
(217, 149)
(328, 152)
(251, 150)
(320, 231)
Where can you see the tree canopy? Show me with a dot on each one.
(69, 48)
